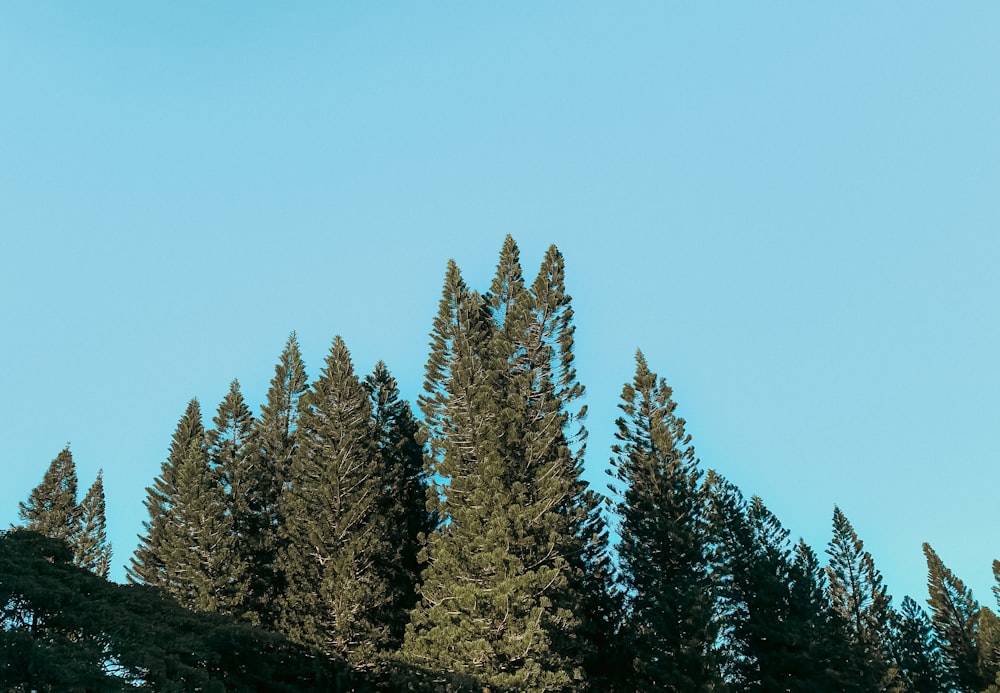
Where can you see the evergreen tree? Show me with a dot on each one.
(397, 435)
(915, 650)
(778, 632)
(189, 549)
(505, 596)
(663, 530)
(276, 436)
(237, 491)
(51, 507)
(955, 617)
(336, 539)
(148, 564)
(859, 597)
(92, 550)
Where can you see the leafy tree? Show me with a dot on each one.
(92, 550)
(955, 617)
(664, 537)
(51, 508)
(859, 597)
(64, 629)
(336, 536)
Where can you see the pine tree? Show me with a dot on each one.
(92, 550)
(51, 507)
(397, 435)
(955, 617)
(276, 439)
(201, 552)
(234, 462)
(505, 596)
(777, 630)
(915, 650)
(148, 564)
(336, 539)
(663, 530)
(189, 546)
(858, 595)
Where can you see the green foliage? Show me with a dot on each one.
(275, 443)
(860, 599)
(778, 631)
(915, 650)
(65, 629)
(51, 508)
(506, 596)
(91, 550)
(337, 540)
(955, 617)
(664, 538)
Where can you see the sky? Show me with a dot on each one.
(791, 208)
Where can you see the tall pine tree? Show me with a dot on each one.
(51, 508)
(955, 617)
(336, 541)
(149, 562)
(397, 436)
(276, 435)
(92, 550)
(859, 597)
(505, 595)
(664, 538)
(915, 650)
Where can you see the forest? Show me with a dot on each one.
(343, 540)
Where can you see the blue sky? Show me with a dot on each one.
(791, 208)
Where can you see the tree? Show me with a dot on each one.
(148, 564)
(859, 597)
(335, 536)
(955, 617)
(401, 458)
(92, 550)
(276, 435)
(233, 494)
(64, 629)
(664, 538)
(51, 507)
(777, 630)
(915, 650)
(506, 596)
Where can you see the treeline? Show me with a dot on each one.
(336, 542)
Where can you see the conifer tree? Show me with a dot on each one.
(955, 617)
(915, 650)
(859, 597)
(401, 456)
(505, 581)
(663, 530)
(336, 539)
(200, 556)
(92, 550)
(189, 546)
(276, 436)
(777, 630)
(235, 465)
(51, 507)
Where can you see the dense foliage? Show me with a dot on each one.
(336, 542)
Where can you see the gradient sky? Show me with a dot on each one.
(792, 208)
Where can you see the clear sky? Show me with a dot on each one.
(792, 208)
